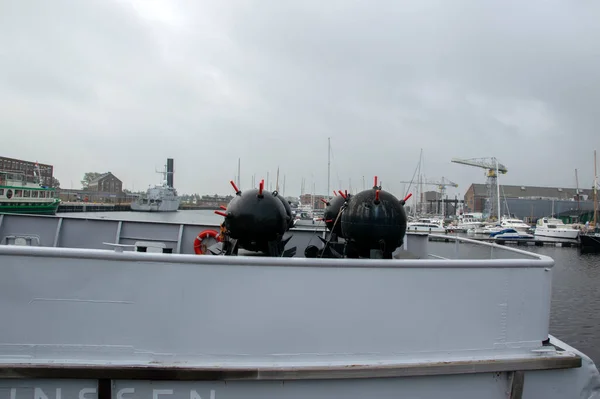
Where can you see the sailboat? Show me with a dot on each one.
(590, 240)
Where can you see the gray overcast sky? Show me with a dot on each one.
(101, 85)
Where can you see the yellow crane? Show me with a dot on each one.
(493, 169)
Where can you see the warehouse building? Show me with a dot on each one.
(531, 202)
(106, 182)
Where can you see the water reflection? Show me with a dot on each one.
(575, 316)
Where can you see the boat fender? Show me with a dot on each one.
(222, 232)
(200, 249)
(9, 194)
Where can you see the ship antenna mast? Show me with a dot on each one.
(163, 173)
(37, 174)
(328, 166)
(595, 190)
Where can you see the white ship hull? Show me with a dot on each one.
(520, 229)
(569, 234)
(513, 236)
(555, 228)
(166, 205)
(516, 224)
(426, 225)
(425, 229)
(469, 223)
(487, 230)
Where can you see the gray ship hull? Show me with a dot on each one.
(166, 205)
(101, 323)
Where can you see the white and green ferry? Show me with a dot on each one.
(18, 195)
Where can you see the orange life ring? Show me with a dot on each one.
(200, 249)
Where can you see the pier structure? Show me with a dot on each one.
(538, 242)
(92, 207)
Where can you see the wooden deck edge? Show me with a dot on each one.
(187, 373)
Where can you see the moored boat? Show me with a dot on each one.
(555, 228)
(510, 234)
(426, 225)
(467, 222)
(590, 240)
(160, 198)
(20, 195)
(514, 223)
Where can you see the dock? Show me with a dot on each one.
(520, 242)
(92, 207)
(190, 207)
(100, 207)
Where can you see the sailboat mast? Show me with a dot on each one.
(498, 190)
(277, 181)
(577, 191)
(420, 185)
(239, 185)
(442, 192)
(595, 189)
(328, 166)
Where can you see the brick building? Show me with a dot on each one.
(106, 182)
(27, 167)
(315, 201)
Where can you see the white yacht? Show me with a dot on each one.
(160, 198)
(492, 228)
(514, 223)
(467, 222)
(485, 228)
(555, 228)
(426, 225)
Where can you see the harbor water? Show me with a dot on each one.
(575, 316)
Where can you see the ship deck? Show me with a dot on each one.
(80, 301)
(557, 355)
(178, 238)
